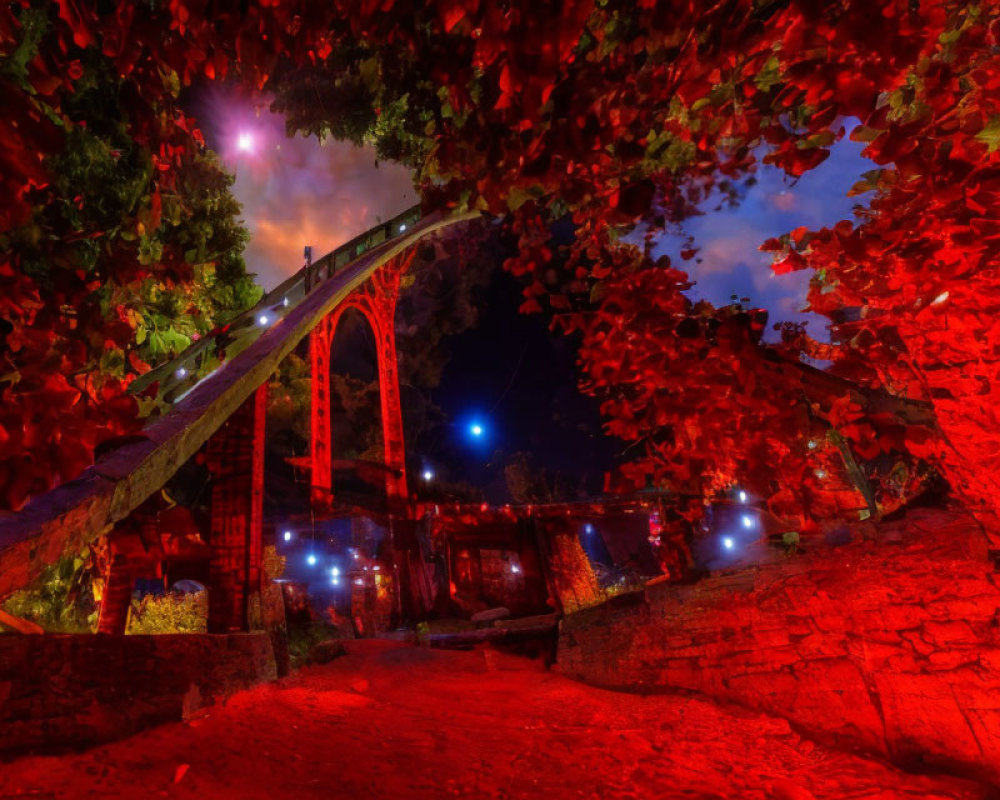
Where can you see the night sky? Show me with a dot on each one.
(510, 373)
(518, 380)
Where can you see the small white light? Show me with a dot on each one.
(335, 572)
(402, 227)
(427, 475)
(359, 582)
(311, 560)
(181, 372)
(335, 581)
(728, 543)
(812, 444)
(939, 299)
(245, 142)
(356, 556)
(284, 302)
(821, 473)
(743, 496)
(515, 568)
(588, 528)
(477, 430)
(376, 568)
(262, 320)
(747, 521)
(288, 536)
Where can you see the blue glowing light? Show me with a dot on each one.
(311, 560)
(588, 528)
(743, 496)
(747, 521)
(335, 572)
(427, 475)
(263, 320)
(728, 543)
(476, 429)
(288, 536)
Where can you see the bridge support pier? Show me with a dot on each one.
(117, 596)
(321, 427)
(235, 457)
(376, 300)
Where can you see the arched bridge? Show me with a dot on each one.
(217, 391)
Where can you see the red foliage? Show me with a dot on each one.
(57, 403)
(917, 274)
(622, 112)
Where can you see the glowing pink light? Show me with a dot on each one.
(245, 143)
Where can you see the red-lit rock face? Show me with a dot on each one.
(395, 722)
(894, 648)
(61, 692)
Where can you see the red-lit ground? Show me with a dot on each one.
(389, 721)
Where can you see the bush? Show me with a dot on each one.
(169, 613)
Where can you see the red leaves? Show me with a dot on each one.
(576, 109)
(140, 366)
(50, 431)
(80, 21)
(709, 404)
(797, 160)
(792, 262)
(452, 12)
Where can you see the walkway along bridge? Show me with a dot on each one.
(217, 389)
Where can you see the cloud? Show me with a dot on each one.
(726, 241)
(784, 200)
(298, 192)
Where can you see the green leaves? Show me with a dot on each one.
(990, 134)
(34, 24)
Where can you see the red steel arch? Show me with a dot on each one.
(376, 300)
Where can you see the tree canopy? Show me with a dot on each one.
(119, 241)
(614, 115)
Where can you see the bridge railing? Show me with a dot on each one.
(180, 375)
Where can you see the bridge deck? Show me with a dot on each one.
(73, 514)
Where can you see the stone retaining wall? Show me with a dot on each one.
(67, 691)
(887, 646)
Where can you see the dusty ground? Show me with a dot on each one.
(390, 721)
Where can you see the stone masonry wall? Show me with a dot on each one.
(68, 691)
(891, 646)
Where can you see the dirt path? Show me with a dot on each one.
(389, 721)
